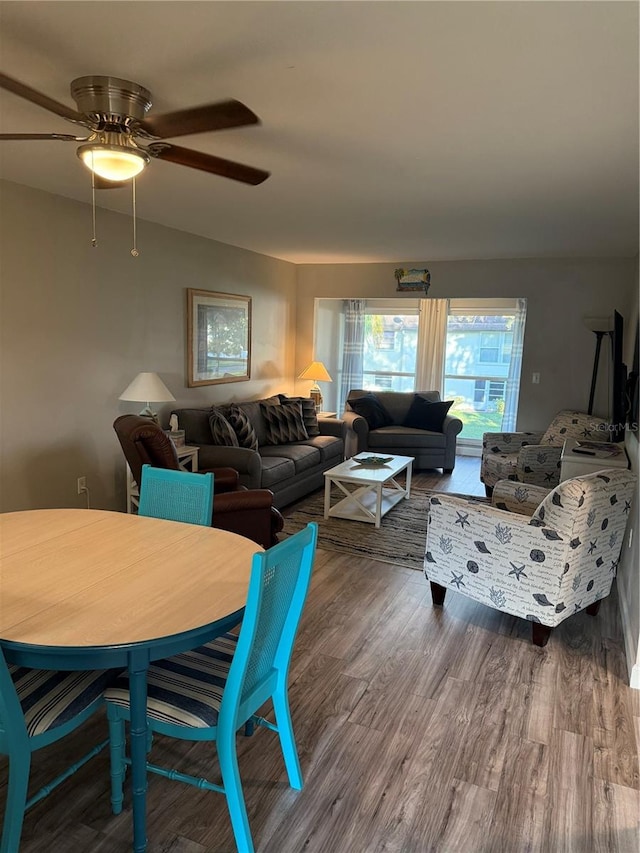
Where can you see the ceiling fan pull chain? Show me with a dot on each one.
(94, 241)
(134, 251)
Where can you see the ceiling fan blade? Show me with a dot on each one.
(24, 91)
(208, 163)
(200, 119)
(65, 137)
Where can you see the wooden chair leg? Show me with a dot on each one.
(437, 593)
(540, 633)
(592, 609)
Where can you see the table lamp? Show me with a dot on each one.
(149, 388)
(317, 372)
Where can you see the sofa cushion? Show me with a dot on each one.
(275, 469)
(309, 415)
(331, 448)
(222, 432)
(423, 414)
(242, 426)
(284, 423)
(303, 456)
(372, 410)
(399, 438)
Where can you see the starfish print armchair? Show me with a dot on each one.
(534, 457)
(544, 567)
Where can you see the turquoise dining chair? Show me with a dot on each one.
(39, 707)
(209, 693)
(176, 495)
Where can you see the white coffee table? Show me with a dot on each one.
(369, 493)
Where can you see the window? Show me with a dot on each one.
(379, 345)
(390, 346)
(489, 347)
(478, 375)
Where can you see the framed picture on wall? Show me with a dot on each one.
(410, 280)
(218, 337)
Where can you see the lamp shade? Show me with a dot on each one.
(317, 372)
(147, 388)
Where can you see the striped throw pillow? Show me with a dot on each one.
(309, 415)
(242, 427)
(284, 423)
(222, 433)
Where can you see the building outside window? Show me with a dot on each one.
(478, 355)
(390, 349)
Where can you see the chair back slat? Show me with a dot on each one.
(176, 495)
(278, 588)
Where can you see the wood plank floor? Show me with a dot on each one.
(419, 729)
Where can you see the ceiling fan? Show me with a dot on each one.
(122, 139)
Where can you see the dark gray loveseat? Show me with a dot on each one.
(289, 470)
(430, 448)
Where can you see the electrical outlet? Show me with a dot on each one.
(82, 485)
(535, 378)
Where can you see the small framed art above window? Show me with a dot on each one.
(218, 337)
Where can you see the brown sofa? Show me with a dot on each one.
(249, 513)
(430, 449)
(289, 470)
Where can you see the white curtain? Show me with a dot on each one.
(352, 348)
(512, 389)
(432, 335)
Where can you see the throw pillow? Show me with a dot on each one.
(284, 423)
(221, 430)
(425, 415)
(309, 415)
(371, 410)
(242, 427)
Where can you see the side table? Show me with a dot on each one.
(587, 457)
(327, 414)
(188, 461)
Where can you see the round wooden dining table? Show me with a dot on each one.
(92, 589)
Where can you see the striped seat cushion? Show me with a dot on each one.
(186, 689)
(50, 698)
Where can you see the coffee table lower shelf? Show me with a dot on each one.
(366, 497)
(368, 493)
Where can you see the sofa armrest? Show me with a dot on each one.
(250, 514)
(333, 426)
(508, 442)
(357, 434)
(224, 479)
(520, 498)
(248, 463)
(451, 426)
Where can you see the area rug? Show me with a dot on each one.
(399, 540)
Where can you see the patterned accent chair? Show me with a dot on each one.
(544, 567)
(534, 457)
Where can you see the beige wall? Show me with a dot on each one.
(559, 292)
(78, 323)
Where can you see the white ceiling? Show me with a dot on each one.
(393, 131)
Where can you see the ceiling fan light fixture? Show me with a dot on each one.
(113, 162)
